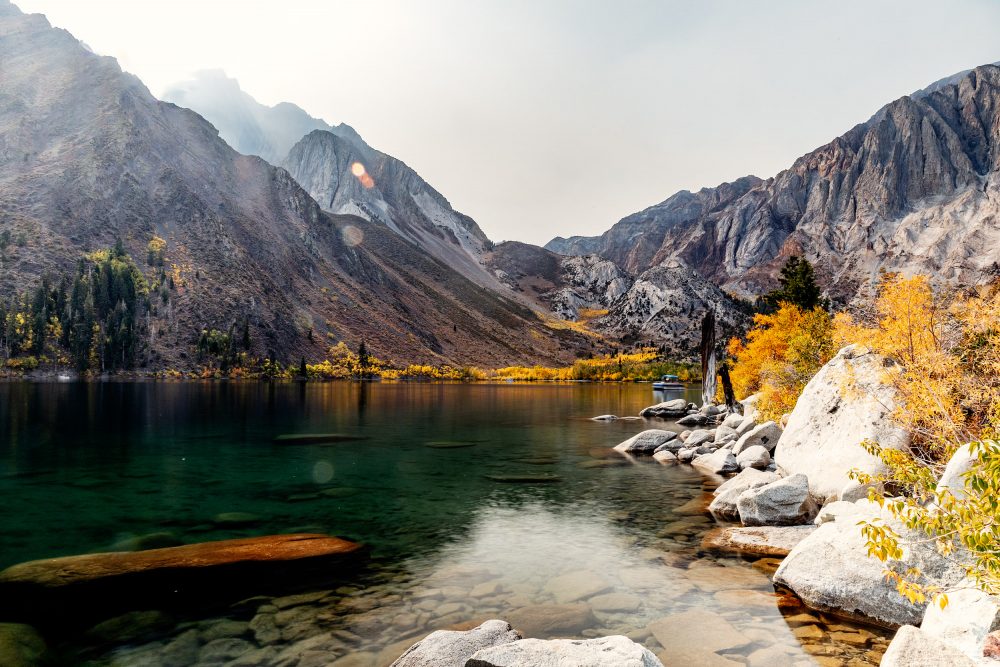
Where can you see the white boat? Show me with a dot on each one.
(668, 382)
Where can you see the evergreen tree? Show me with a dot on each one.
(363, 360)
(798, 287)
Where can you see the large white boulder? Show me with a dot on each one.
(965, 621)
(614, 651)
(785, 502)
(953, 478)
(850, 400)
(452, 648)
(831, 569)
(912, 647)
(645, 442)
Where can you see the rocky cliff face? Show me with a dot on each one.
(351, 177)
(88, 156)
(913, 189)
(663, 305)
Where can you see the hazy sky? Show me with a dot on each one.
(541, 118)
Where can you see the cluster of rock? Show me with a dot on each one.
(497, 644)
(795, 496)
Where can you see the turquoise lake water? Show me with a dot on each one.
(436, 490)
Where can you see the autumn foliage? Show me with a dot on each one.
(782, 351)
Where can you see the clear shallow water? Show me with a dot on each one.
(604, 546)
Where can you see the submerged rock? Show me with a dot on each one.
(452, 648)
(849, 401)
(646, 442)
(552, 619)
(316, 438)
(93, 583)
(614, 651)
(604, 418)
(524, 479)
(696, 637)
(21, 646)
(576, 586)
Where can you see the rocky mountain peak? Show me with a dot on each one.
(912, 189)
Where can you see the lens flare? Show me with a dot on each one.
(322, 472)
(352, 235)
(362, 175)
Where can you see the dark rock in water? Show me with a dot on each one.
(130, 627)
(697, 419)
(316, 438)
(144, 542)
(235, 519)
(604, 463)
(552, 619)
(448, 444)
(21, 646)
(677, 407)
(73, 589)
(539, 461)
(340, 492)
(524, 479)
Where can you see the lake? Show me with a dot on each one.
(476, 501)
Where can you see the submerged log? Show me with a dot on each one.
(173, 577)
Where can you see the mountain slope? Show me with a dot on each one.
(88, 156)
(913, 189)
(350, 177)
(664, 305)
(321, 158)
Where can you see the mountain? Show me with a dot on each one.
(663, 305)
(244, 123)
(913, 189)
(323, 159)
(88, 157)
(351, 177)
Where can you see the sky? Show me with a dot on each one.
(541, 118)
